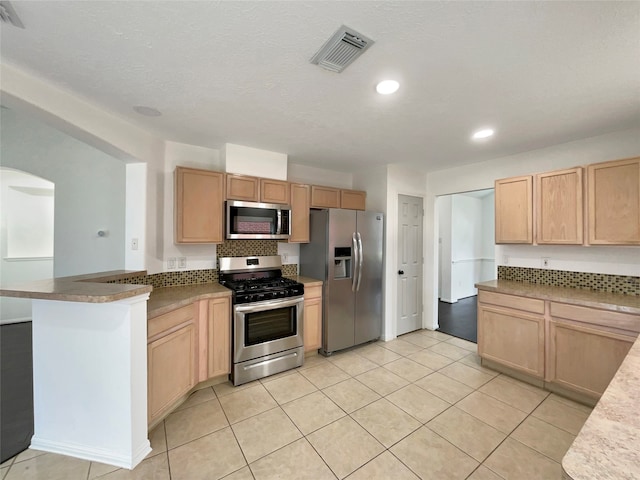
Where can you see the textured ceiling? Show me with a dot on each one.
(541, 73)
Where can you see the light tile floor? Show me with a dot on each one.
(420, 406)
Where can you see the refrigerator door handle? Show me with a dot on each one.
(354, 245)
(360, 260)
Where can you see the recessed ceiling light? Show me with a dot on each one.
(387, 87)
(484, 133)
(147, 111)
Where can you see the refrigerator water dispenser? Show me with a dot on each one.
(342, 263)
(342, 268)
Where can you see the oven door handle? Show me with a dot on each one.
(268, 305)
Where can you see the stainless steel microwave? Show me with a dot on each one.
(251, 220)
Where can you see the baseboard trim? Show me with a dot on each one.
(93, 454)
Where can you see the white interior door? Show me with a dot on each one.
(410, 218)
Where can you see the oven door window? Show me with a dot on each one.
(265, 326)
(247, 220)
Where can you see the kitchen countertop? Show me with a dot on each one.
(608, 445)
(587, 298)
(308, 282)
(163, 300)
(79, 288)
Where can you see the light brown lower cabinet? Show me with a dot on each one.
(512, 337)
(586, 346)
(312, 318)
(219, 336)
(584, 359)
(574, 349)
(186, 346)
(171, 359)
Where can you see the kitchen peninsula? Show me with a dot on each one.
(130, 357)
(89, 366)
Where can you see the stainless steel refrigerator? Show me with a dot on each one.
(346, 253)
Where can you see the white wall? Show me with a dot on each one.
(101, 129)
(489, 271)
(481, 175)
(466, 245)
(135, 218)
(254, 161)
(444, 206)
(400, 181)
(90, 192)
(318, 176)
(465, 230)
(19, 270)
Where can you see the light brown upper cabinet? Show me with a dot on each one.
(325, 197)
(199, 200)
(614, 202)
(353, 199)
(274, 191)
(559, 212)
(242, 187)
(514, 210)
(300, 201)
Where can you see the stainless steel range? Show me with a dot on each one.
(268, 317)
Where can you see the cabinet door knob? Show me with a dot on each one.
(400, 272)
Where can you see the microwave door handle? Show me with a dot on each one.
(279, 225)
(354, 275)
(360, 260)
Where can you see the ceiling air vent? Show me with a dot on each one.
(341, 49)
(9, 15)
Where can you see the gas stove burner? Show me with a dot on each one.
(250, 284)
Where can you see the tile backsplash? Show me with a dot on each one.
(600, 282)
(247, 248)
(230, 248)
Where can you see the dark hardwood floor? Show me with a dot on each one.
(459, 319)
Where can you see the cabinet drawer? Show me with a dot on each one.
(512, 301)
(618, 320)
(170, 320)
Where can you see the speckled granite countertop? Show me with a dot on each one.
(163, 300)
(587, 298)
(308, 282)
(79, 288)
(608, 446)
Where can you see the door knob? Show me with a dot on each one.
(400, 272)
